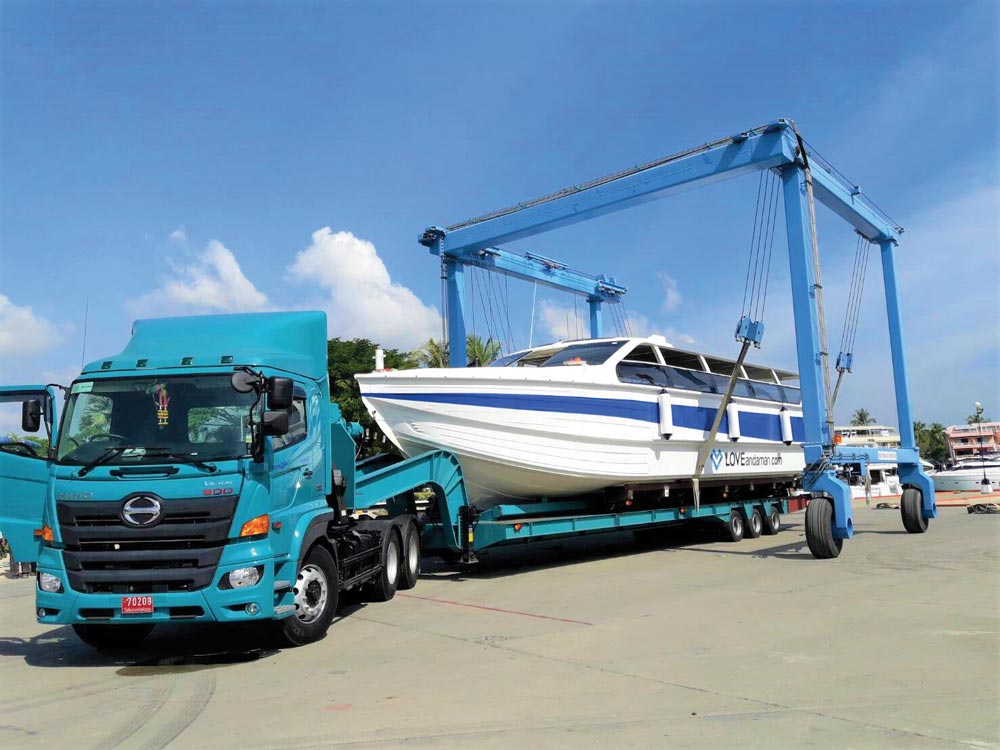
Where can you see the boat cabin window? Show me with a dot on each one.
(764, 374)
(596, 353)
(720, 366)
(642, 353)
(534, 358)
(686, 360)
(507, 359)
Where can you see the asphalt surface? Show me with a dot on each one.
(896, 644)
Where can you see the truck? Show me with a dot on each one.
(204, 475)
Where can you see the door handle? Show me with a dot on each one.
(307, 473)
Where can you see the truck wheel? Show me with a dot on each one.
(732, 530)
(383, 588)
(754, 525)
(317, 594)
(910, 508)
(772, 522)
(411, 556)
(819, 529)
(110, 637)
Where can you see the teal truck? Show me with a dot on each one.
(203, 474)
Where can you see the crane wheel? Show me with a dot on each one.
(819, 529)
(911, 509)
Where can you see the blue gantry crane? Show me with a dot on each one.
(597, 290)
(778, 147)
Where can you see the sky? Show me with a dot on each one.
(195, 157)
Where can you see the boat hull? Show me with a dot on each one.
(531, 440)
(964, 480)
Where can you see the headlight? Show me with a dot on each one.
(49, 583)
(242, 578)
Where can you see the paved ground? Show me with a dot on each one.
(894, 645)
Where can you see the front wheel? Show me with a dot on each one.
(819, 529)
(111, 637)
(912, 511)
(317, 594)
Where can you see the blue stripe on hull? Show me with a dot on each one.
(752, 424)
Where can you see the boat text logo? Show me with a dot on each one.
(722, 459)
(716, 456)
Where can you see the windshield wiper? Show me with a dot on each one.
(103, 459)
(186, 457)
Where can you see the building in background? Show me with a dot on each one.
(868, 436)
(971, 440)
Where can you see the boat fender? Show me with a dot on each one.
(666, 414)
(786, 425)
(733, 415)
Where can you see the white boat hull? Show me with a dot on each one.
(965, 480)
(533, 440)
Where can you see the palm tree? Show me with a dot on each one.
(479, 353)
(862, 417)
(432, 354)
(976, 418)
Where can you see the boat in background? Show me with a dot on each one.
(577, 417)
(967, 475)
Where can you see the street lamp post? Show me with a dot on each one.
(985, 487)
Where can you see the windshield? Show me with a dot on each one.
(155, 420)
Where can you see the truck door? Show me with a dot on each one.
(24, 467)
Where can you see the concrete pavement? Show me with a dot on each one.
(574, 644)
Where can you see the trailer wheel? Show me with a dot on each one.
(411, 556)
(317, 594)
(819, 529)
(110, 637)
(754, 525)
(383, 588)
(734, 527)
(772, 522)
(910, 508)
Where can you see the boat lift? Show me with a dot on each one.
(776, 146)
(597, 290)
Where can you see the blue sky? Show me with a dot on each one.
(167, 158)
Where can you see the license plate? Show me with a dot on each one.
(137, 605)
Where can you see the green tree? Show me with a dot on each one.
(932, 441)
(976, 419)
(481, 353)
(478, 352)
(349, 357)
(862, 417)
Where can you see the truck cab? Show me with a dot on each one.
(192, 478)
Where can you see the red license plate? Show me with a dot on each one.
(137, 605)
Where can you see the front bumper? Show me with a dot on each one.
(210, 604)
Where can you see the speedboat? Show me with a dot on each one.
(576, 417)
(967, 475)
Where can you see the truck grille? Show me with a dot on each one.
(180, 553)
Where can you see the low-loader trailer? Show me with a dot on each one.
(204, 475)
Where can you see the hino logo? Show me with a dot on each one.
(141, 511)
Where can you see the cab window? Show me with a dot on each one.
(297, 427)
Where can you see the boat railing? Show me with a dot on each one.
(664, 376)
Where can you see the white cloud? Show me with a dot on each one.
(561, 323)
(178, 235)
(671, 293)
(362, 300)
(22, 332)
(213, 282)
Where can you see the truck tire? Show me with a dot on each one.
(317, 594)
(733, 528)
(383, 588)
(910, 508)
(411, 556)
(754, 525)
(819, 529)
(110, 637)
(772, 522)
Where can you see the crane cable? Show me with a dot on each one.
(761, 247)
(852, 311)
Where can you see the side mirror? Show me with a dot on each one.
(31, 415)
(275, 423)
(279, 393)
(243, 381)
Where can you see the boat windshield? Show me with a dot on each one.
(590, 353)
(128, 421)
